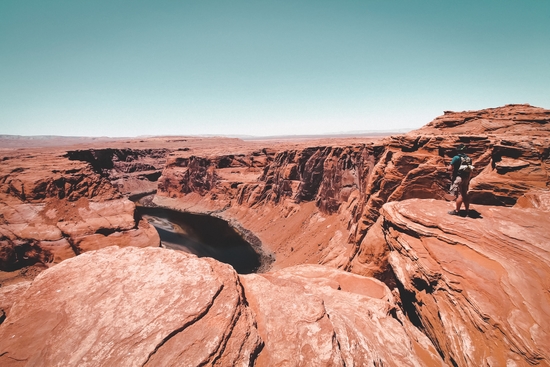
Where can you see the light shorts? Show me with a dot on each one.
(459, 186)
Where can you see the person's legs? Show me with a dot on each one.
(464, 193)
(456, 190)
(458, 202)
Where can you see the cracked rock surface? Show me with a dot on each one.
(131, 307)
(158, 307)
(477, 287)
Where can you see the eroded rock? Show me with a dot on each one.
(53, 208)
(477, 287)
(312, 315)
(157, 307)
(130, 307)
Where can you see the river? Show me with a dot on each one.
(204, 236)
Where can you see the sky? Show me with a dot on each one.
(130, 68)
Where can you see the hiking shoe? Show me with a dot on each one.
(453, 212)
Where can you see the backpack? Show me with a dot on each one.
(465, 164)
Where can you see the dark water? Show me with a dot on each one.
(204, 236)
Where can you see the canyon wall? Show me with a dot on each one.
(369, 268)
(330, 196)
(53, 207)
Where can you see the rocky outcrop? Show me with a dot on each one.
(157, 307)
(37, 177)
(131, 307)
(59, 229)
(348, 185)
(133, 172)
(518, 165)
(512, 119)
(537, 199)
(52, 209)
(467, 292)
(312, 315)
(477, 287)
(9, 295)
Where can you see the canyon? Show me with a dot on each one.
(360, 264)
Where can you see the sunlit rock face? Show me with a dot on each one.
(156, 307)
(269, 192)
(306, 204)
(311, 315)
(369, 269)
(133, 172)
(512, 120)
(131, 307)
(476, 286)
(53, 208)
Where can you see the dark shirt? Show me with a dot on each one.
(456, 162)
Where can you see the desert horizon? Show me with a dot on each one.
(224, 251)
(274, 183)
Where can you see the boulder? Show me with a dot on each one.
(130, 307)
(312, 315)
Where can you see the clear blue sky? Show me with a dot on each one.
(127, 68)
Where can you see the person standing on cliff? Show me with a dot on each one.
(461, 169)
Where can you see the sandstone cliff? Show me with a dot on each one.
(133, 172)
(478, 288)
(449, 290)
(269, 193)
(468, 292)
(512, 119)
(52, 208)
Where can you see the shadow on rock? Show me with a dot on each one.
(472, 213)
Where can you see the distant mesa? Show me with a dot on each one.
(512, 119)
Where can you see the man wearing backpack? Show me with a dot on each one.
(460, 168)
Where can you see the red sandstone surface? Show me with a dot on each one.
(369, 269)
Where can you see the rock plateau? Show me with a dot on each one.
(368, 268)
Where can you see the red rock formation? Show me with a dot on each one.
(537, 199)
(130, 307)
(478, 288)
(157, 307)
(277, 187)
(132, 172)
(312, 315)
(349, 184)
(465, 292)
(52, 208)
(512, 119)
(9, 295)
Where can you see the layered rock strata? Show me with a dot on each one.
(465, 291)
(269, 193)
(478, 288)
(512, 119)
(133, 172)
(52, 209)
